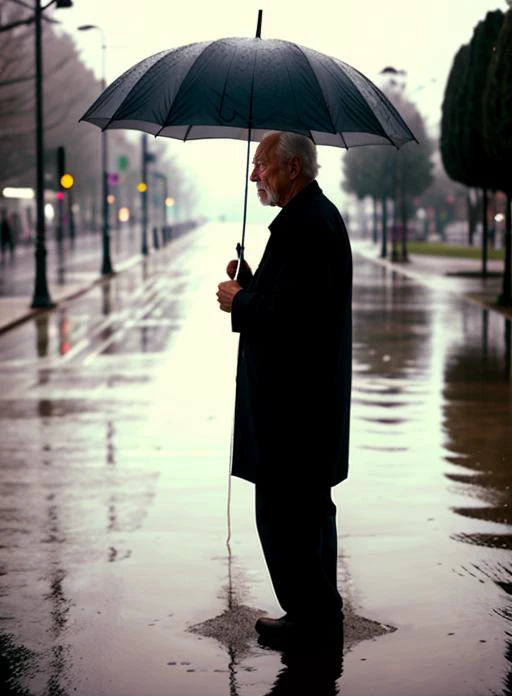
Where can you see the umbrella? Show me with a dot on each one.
(241, 88)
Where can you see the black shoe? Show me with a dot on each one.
(285, 633)
(265, 625)
(278, 634)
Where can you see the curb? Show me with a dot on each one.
(421, 278)
(73, 294)
(20, 320)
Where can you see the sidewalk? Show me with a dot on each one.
(15, 310)
(454, 275)
(457, 276)
(71, 270)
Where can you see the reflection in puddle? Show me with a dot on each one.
(41, 323)
(441, 404)
(491, 541)
(478, 424)
(477, 412)
(311, 668)
(432, 440)
(308, 674)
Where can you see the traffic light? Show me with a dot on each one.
(67, 181)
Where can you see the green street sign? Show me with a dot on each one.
(122, 163)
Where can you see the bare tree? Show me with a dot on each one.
(69, 89)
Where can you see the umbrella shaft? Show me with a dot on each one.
(240, 247)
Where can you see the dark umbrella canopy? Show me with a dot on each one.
(241, 87)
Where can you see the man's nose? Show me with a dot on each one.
(254, 175)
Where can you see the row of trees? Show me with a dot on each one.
(386, 175)
(476, 126)
(69, 88)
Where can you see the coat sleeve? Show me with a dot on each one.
(301, 293)
(245, 276)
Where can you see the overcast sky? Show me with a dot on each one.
(418, 37)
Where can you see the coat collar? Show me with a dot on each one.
(292, 208)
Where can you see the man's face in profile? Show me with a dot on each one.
(268, 173)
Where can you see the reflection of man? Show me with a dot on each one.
(293, 386)
(315, 676)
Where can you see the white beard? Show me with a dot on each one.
(270, 198)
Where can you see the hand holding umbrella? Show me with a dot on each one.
(226, 292)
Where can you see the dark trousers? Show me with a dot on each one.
(297, 530)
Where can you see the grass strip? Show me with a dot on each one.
(460, 252)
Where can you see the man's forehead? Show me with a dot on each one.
(265, 147)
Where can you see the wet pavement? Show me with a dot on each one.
(72, 266)
(115, 572)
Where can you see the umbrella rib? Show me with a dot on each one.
(294, 99)
(333, 127)
(112, 118)
(224, 88)
(375, 115)
(206, 44)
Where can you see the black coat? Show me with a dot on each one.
(292, 404)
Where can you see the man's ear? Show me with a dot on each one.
(294, 167)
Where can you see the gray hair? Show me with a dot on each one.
(296, 145)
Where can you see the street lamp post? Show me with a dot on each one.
(163, 178)
(397, 81)
(106, 264)
(41, 296)
(144, 195)
(505, 299)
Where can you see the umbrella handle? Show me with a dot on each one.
(240, 254)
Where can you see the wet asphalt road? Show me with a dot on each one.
(116, 413)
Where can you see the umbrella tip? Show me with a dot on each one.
(258, 28)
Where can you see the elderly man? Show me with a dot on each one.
(292, 406)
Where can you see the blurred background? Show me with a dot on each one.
(407, 50)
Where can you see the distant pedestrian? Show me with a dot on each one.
(16, 228)
(293, 387)
(6, 234)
